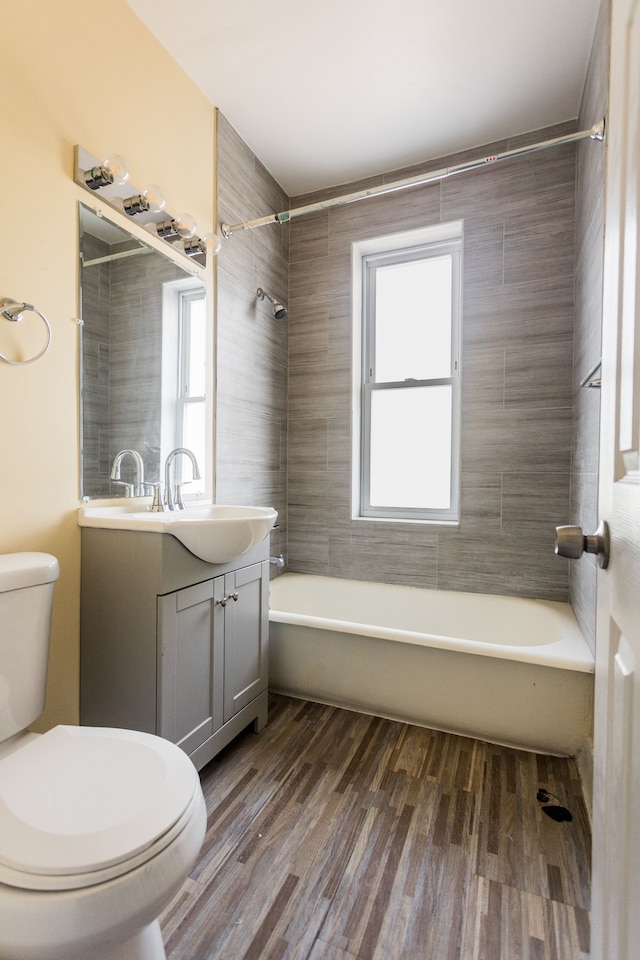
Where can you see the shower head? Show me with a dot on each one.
(279, 309)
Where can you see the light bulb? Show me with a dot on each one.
(113, 169)
(211, 243)
(117, 168)
(185, 225)
(154, 197)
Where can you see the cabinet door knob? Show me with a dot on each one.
(571, 542)
(224, 601)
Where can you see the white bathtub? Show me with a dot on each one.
(504, 669)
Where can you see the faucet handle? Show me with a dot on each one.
(157, 506)
(128, 487)
(177, 497)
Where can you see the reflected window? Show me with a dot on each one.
(184, 376)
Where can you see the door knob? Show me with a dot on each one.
(571, 542)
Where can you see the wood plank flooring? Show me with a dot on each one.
(333, 835)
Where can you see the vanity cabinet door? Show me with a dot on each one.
(191, 663)
(246, 636)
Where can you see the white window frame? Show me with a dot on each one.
(184, 395)
(366, 256)
(177, 295)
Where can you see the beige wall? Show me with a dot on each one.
(73, 73)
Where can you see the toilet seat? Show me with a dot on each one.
(81, 805)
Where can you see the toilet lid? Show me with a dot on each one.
(78, 799)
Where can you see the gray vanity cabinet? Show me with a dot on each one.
(212, 654)
(170, 644)
(191, 665)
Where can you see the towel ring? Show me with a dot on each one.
(12, 310)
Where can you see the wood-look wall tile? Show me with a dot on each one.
(539, 373)
(542, 246)
(588, 326)
(481, 495)
(339, 443)
(310, 236)
(582, 576)
(236, 169)
(309, 337)
(252, 348)
(389, 213)
(317, 282)
(534, 497)
(483, 375)
(504, 191)
(522, 436)
(308, 443)
(520, 312)
(313, 397)
(470, 560)
(483, 253)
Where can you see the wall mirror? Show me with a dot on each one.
(144, 376)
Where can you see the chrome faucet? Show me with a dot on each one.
(136, 489)
(172, 502)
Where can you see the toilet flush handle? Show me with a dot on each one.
(571, 542)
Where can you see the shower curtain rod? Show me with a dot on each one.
(595, 133)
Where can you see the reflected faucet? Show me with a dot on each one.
(175, 502)
(131, 489)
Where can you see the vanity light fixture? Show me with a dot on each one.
(112, 170)
(148, 205)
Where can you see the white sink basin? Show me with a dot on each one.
(215, 533)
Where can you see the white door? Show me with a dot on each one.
(616, 827)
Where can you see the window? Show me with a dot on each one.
(408, 401)
(184, 375)
(192, 372)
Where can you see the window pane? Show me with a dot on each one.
(410, 447)
(196, 386)
(193, 437)
(413, 320)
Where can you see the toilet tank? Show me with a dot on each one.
(26, 594)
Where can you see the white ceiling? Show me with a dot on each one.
(330, 92)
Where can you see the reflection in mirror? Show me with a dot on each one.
(143, 372)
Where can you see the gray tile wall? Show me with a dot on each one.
(519, 230)
(587, 334)
(251, 393)
(283, 418)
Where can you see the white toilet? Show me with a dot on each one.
(98, 827)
